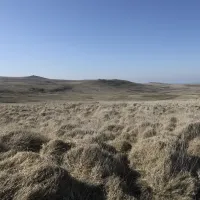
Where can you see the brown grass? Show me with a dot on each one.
(22, 141)
(102, 150)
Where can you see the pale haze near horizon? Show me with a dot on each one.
(140, 41)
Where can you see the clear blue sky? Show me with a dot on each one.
(138, 40)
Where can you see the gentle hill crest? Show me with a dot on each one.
(35, 77)
(36, 88)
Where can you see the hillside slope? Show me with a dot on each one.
(35, 88)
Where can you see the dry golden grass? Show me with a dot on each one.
(100, 151)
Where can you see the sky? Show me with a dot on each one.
(136, 40)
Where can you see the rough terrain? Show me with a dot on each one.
(100, 150)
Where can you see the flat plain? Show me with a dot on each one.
(72, 140)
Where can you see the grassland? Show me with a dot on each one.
(100, 150)
(39, 89)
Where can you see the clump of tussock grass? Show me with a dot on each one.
(107, 147)
(55, 150)
(117, 189)
(172, 124)
(97, 164)
(122, 146)
(147, 129)
(27, 176)
(100, 137)
(183, 185)
(98, 141)
(23, 141)
(65, 129)
(190, 132)
(165, 165)
(111, 128)
(93, 162)
(10, 176)
(79, 133)
(194, 147)
(114, 189)
(131, 136)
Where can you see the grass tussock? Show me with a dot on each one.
(27, 176)
(122, 146)
(93, 163)
(168, 168)
(55, 150)
(22, 141)
(100, 151)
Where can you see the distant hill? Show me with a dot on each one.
(25, 78)
(116, 83)
(35, 77)
(36, 88)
